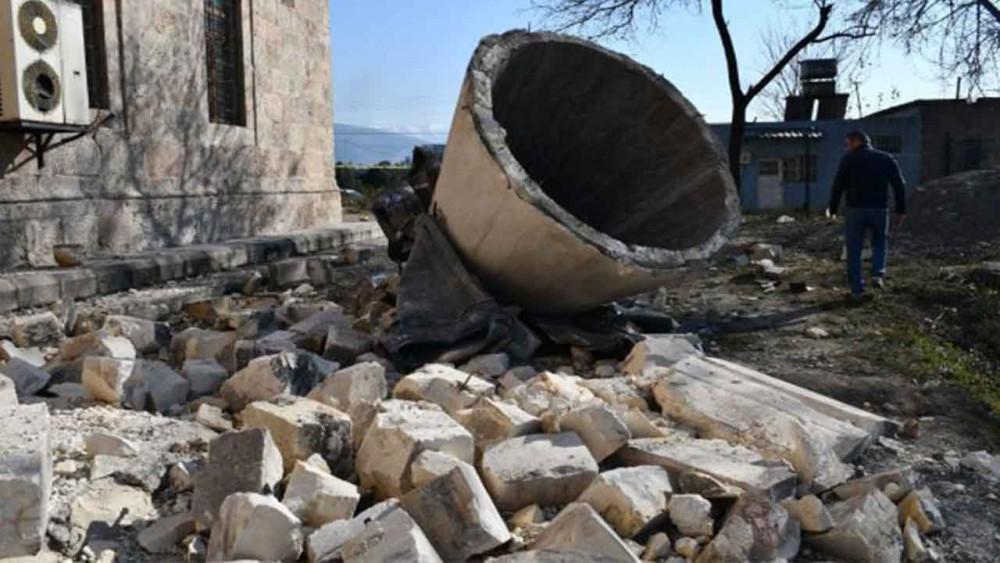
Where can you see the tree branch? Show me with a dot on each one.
(824, 17)
(732, 64)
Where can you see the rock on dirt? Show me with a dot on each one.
(246, 461)
(549, 470)
(25, 479)
(866, 528)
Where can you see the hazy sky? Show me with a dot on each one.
(398, 64)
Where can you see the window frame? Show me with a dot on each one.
(226, 87)
(800, 169)
(96, 55)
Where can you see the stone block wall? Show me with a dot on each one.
(159, 173)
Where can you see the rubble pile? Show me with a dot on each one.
(254, 437)
(477, 407)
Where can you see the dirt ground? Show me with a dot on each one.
(925, 349)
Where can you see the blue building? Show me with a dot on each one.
(792, 164)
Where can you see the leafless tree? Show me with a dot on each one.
(621, 19)
(961, 36)
(776, 41)
(774, 44)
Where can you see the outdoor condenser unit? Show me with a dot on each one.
(43, 70)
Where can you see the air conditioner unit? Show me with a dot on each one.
(43, 69)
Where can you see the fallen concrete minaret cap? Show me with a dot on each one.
(575, 176)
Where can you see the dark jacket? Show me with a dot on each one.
(865, 175)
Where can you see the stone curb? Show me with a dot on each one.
(41, 288)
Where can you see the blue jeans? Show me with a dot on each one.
(858, 223)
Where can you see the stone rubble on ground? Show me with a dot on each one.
(317, 498)
(25, 479)
(631, 498)
(257, 432)
(27, 378)
(543, 469)
(8, 392)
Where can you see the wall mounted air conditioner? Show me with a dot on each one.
(43, 70)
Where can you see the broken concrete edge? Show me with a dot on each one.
(42, 288)
(489, 61)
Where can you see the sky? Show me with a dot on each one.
(398, 64)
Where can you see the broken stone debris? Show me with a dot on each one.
(93, 344)
(720, 404)
(866, 528)
(537, 395)
(457, 514)
(360, 383)
(145, 335)
(9, 351)
(904, 477)
(430, 465)
(548, 470)
(205, 377)
(658, 351)
(599, 427)
(776, 535)
(317, 498)
(491, 421)
(692, 515)
(302, 427)
(254, 526)
(579, 528)
(290, 373)
(37, 330)
(400, 431)
(101, 443)
(446, 387)
(213, 417)
(631, 498)
(392, 537)
(920, 507)
(163, 535)
(983, 463)
(536, 447)
(8, 392)
(490, 366)
(344, 344)
(27, 379)
(732, 465)
(810, 513)
(325, 543)
(25, 479)
(238, 462)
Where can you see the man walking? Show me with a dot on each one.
(865, 175)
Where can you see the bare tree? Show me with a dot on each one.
(774, 44)
(961, 36)
(621, 18)
(776, 41)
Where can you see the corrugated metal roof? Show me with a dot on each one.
(785, 134)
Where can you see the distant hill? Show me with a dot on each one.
(365, 145)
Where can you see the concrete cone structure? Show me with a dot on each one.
(575, 176)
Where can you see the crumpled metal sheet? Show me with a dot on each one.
(396, 212)
(604, 330)
(443, 313)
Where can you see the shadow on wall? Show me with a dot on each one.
(160, 174)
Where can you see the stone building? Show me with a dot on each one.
(216, 121)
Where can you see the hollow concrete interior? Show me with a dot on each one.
(611, 144)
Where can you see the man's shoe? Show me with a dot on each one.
(856, 297)
(878, 283)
